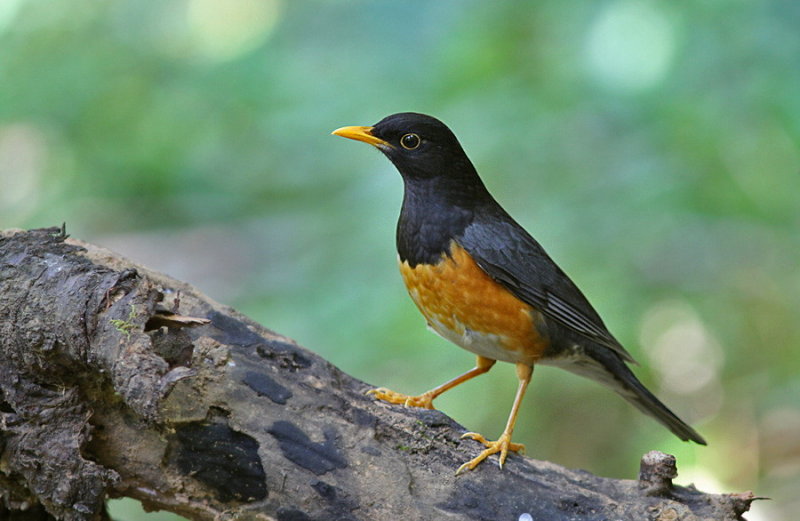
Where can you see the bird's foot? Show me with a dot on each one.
(502, 445)
(424, 400)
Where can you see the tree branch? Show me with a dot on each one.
(104, 394)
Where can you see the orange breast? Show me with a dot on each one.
(464, 305)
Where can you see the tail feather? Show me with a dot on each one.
(604, 366)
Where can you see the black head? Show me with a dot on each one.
(443, 192)
(420, 146)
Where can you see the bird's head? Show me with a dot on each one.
(420, 146)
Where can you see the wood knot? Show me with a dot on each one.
(656, 472)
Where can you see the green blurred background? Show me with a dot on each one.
(651, 147)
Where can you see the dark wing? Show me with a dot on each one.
(508, 254)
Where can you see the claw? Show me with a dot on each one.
(475, 436)
(423, 400)
(502, 445)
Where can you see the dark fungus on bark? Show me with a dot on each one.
(263, 385)
(296, 446)
(224, 460)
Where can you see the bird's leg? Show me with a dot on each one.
(425, 400)
(503, 444)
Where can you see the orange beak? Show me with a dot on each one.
(360, 134)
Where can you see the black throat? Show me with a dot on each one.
(435, 211)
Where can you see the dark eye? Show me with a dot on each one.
(410, 141)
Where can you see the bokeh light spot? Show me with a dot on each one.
(630, 45)
(224, 30)
(681, 348)
(22, 157)
(8, 10)
(701, 478)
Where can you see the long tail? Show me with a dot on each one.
(602, 365)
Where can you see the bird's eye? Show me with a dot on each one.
(410, 141)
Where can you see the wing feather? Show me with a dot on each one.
(508, 254)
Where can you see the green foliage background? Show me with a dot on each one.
(652, 147)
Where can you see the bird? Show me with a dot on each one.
(485, 284)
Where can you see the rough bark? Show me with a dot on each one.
(101, 398)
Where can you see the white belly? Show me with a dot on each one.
(487, 345)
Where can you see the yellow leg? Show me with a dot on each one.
(425, 400)
(503, 444)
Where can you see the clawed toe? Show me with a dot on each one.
(423, 400)
(503, 445)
